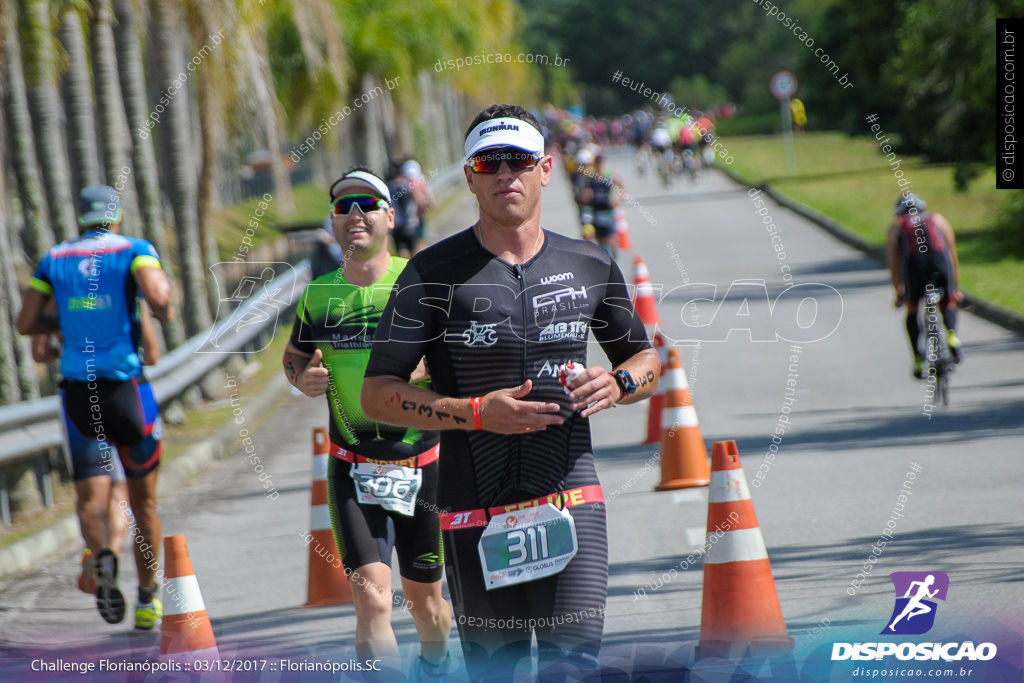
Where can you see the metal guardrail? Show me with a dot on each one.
(35, 426)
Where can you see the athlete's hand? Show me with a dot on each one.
(503, 412)
(594, 389)
(312, 380)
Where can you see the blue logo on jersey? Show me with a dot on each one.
(916, 592)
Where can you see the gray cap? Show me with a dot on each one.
(98, 205)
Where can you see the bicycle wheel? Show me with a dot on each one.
(942, 385)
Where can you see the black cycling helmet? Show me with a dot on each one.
(906, 202)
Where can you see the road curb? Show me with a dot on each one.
(972, 304)
(26, 553)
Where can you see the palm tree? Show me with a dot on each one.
(144, 168)
(47, 114)
(114, 123)
(38, 237)
(85, 162)
(10, 390)
(215, 92)
(252, 44)
(176, 142)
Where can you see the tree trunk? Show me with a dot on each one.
(10, 390)
(270, 118)
(85, 162)
(177, 135)
(113, 122)
(209, 133)
(47, 115)
(38, 235)
(133, 88)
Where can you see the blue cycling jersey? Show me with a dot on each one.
(92, 280)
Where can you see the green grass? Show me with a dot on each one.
(230, 222)
(849, 180)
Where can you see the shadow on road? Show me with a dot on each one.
(881, 428)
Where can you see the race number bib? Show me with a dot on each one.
(393, 487)
(526, 545)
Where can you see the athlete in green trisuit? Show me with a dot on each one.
(382, 479)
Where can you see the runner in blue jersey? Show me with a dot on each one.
(96, 281)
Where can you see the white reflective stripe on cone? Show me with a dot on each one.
(181, 595)
(319, 518)
(684, 416)
(728, 486)
(741, 545)
(320, 467)
(674, 379)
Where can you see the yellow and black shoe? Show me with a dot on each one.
(954, 346)
(147, 615)
(918, 371)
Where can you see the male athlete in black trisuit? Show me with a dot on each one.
(496, 310)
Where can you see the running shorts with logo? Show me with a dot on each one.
(925, 255)
(105, 415)
(105, 399)
(484, 324)
(340, 319)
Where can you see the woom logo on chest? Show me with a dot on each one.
(561, 277)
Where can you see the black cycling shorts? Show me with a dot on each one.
(104, 415)
(407, 241)
(920, 269)
(566, 610)
(367, 533)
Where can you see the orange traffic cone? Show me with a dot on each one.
(328, 583)
(740, 611)
(684, 458)
(643, 297)
(185, 630)
(622, 229)
(657, 400)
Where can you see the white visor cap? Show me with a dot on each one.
(357, 182)
(507, 132)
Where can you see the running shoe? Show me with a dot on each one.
(918, 367)
(86, 580)
(954, 346)
(147, 615)
(109, 599)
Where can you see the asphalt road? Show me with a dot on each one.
(816, 314)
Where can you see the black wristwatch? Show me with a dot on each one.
(625, 381)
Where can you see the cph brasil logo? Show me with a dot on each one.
(914, 613)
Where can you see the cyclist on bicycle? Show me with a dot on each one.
(921, 250)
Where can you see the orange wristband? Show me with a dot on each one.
(475, 402)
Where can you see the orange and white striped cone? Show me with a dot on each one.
(185, 630)
(657, 401)
(643, 296)
(740, 610)
(684, 457)
(622, 229)
(328, 583)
